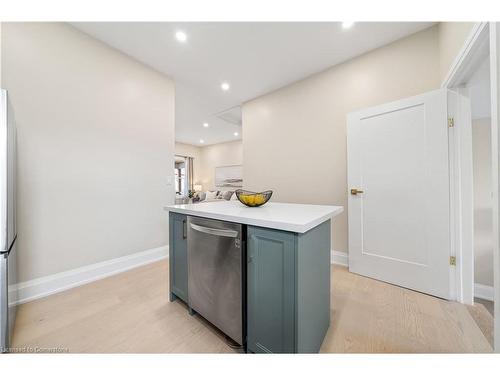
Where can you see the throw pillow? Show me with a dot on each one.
(227, 195)
(211, 195)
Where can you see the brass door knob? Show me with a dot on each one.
(356, 191)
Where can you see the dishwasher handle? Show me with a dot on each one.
(215, 231)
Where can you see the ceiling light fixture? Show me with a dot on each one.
(224, 86)
(202, 141)
(236, 134)
(205, 125)
(181, 36)
(347, 25)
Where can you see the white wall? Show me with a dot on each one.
(480, 90)
(95, 148)
(483, 229)
(218, 155)
(452, 36)
(295, 137)
(184, 149)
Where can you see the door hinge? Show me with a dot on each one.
(451, 122)
(453, 261)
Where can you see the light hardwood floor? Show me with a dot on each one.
(130, 312)
(482, 313)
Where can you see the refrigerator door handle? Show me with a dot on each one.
(10, 247)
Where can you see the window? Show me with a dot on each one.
(180, 176)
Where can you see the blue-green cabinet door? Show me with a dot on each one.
(178, 257)
(271, 291)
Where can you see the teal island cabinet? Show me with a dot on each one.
(178, 276)
(285, 269)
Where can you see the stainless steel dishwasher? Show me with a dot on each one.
(215, 273)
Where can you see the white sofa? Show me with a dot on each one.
(218, 197)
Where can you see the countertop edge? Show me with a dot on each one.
(259, 222)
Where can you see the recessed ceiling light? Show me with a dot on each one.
(205, 125)
(181, 36)
(202, 141)
(224, 86)
(347, 25)
(236, 134)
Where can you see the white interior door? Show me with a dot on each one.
(399, 225)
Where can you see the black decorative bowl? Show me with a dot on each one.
(253, 199)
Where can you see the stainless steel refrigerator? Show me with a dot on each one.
(8, 231)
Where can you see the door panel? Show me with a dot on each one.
(271, 291)
(399, 226)
(390, 172)
(178, 257)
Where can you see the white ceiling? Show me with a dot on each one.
(255, 58)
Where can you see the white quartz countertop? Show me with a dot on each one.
(284, 216)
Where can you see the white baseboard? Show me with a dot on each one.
(484, 292)
(45, 286)
(340, 258)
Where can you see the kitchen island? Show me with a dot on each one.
(262, 274)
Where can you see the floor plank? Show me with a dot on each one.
(483, 316)
(130, 313)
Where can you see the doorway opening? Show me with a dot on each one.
(471, 78)
(479, 92)
(478, 87)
